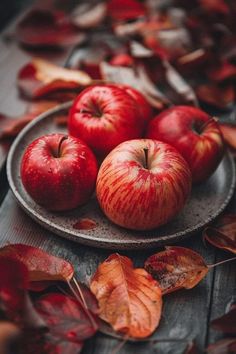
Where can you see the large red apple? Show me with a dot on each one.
(142, 184)
(103, 117)
(194, 134)
(59, 172)
(143, 106)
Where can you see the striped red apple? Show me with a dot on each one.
(142, 184)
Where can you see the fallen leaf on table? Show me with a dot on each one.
(122, 10)
(40, 78)
(176, 268)
(229, 134)
(88, 15)
(219, 97)
(223, 346)
(11, 126)
(227, 322)
(40, 264)
(129, 299)
(42, 27)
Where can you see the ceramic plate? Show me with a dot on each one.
(207, 201)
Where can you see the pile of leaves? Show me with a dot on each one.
(44, 309)
(174, 52)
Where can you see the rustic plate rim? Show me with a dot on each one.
(95, 241)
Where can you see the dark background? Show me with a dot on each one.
(9, 8)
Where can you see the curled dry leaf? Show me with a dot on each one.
(229, 134)
(65, 317)
(216, 96)
(176, 268)
(42, 27)
(129, 299)
(227, 322)
(11, 126)
(40, 264)
(220, 239)
(40, 78)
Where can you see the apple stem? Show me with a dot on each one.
(60, 144)
(213, 119)
(146, 158)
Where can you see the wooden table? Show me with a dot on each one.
(186, 314)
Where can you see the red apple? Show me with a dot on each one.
(194, 133)
(142, 184)
(59, 172)
(143, 106)
(103, 117)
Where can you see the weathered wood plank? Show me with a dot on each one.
(185, 313)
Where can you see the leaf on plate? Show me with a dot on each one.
(11, 126)
(85, 224)
(88, 15)
(216, 96)
(40, 78)
(223, 346)
(41, 27)
(66, 317)
(229, 134)
(122, 10)
(176, 268)
(224, 71)
(40, 264)
(227, 322)
(129, 299)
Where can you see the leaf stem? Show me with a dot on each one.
(221, 262)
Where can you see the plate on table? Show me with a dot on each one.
(206, 202)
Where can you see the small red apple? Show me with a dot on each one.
(59, 172)
(194, 133)
(142, 184)
(103, 117)
(143, 106)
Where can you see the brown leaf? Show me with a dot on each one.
(220, 239)
(40, 78)
(229, 134)
(223, 346)
(41, 265)
(176, 268)
(42, 27)
(219, 97)
(11, 126)
(129, 299)
(227, 322)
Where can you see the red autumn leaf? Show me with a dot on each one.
(227, 322)
(229, 134)
(176, 268)
(41, 265)
(129, 299)
(219, 97)
(224, 71)
(11, 126)
(45, 28)
(40, 78)
(66, 318)
(223, 346)
(85, 224)
(88, 15)
(122, 10)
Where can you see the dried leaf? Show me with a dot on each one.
(11, 126)
(40, 264)
(176, 268)
(85, 224)
(40, 78)
(65, 317)
(229, 134)
(216, 96)
(219, 239)
(88, 15)
(122, 10)
(46, 28)
(115, 283)
(227, 322)
(223, 346)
